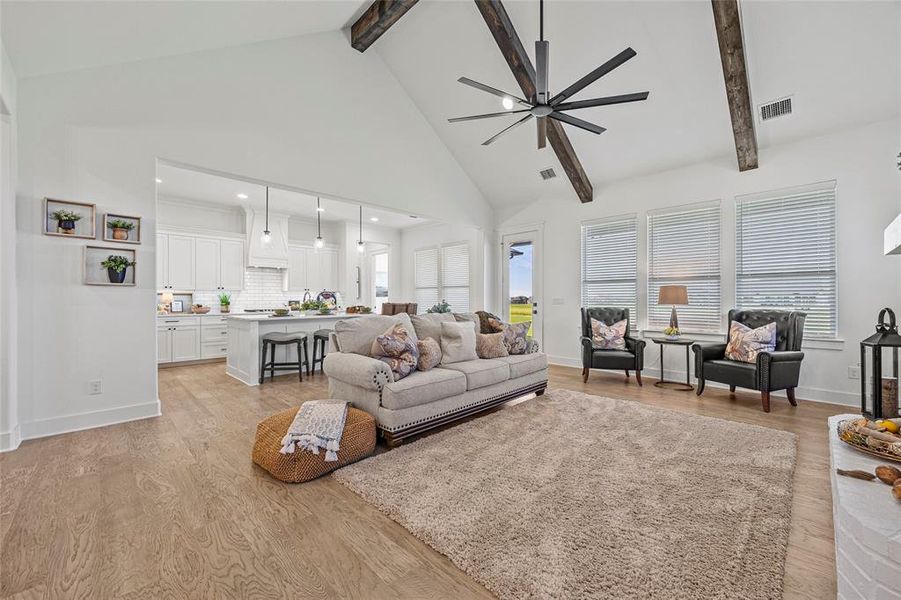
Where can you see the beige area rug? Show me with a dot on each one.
(578, 496)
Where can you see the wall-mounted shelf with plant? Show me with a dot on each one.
(109, 266)
(69, 219)
(121, 228)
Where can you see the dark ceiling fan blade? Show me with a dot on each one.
(491, 90)
(605, 68)
(487, 116)
(541, 66)
(542, 132)
(506, 129)
(577, 122)
(621, 99)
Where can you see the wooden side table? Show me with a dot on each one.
(677, 385)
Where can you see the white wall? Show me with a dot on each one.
(9, 418)
(431, 235)
(308, 112)
(862, 163)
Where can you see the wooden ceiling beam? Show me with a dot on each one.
(495, 16)
(727, 19)
(380, 15)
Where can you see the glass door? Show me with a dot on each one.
(521, 278)
(379, 280)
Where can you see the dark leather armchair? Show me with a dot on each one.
(778, 370)
(632, 358)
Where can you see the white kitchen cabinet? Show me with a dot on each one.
(321, 270)
(181, 262)
(206, 264)
(231, 264)
(163, 345)
(177, 339)
(175, 262)
(185, 343)
(297, 268)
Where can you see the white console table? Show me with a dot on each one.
(867, 521)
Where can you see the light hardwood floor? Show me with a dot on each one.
(173, 508)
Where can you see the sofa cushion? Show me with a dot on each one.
(429, 353)
(422, 387)
(356, 335)
(732, 372)
(481, 372)
(458, 342)
(461, 317)
(523, 364)
(490, 345)
(429, 324)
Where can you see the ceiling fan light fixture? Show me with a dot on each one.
(507, 102)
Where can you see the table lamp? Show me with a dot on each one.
(673, 294)
(167, 298)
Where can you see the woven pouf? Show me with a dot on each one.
(357, 441)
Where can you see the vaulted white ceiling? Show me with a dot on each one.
(838, 59)
(44, 37)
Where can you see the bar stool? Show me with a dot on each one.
(320, 342)
(271, 341)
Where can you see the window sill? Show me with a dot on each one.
(823, 344)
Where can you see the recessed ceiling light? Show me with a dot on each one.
(374, 219)
(242, 196)
(158, 180)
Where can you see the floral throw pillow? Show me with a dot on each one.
(746, 343)
(397, 348)
(608, 337)
(491, 345)
(429, 353)
(515, 334)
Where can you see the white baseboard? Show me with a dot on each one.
(10, 440)
(806, 393)
(89, 420)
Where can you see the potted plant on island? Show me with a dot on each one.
(225, 300)
(65, 220)
(116, 267)
(120, 228)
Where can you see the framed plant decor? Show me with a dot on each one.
(109, 266)
(121, 229)
(70, 219)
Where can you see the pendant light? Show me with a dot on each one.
(266, 238)
(361, 247)
(318, 242)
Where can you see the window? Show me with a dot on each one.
(785, 254)
(379, 279)
(684, 249)
(610, 263)
(443, 274)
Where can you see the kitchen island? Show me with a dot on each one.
(245, 331)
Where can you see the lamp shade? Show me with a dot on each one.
(672, 294)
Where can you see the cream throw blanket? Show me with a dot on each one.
(318, 424)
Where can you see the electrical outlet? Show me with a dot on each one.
(95, 387)
(854, 372)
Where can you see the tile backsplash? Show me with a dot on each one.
(263, 288)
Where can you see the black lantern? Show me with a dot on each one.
(886, 336)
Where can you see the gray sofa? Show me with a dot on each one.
(423, 399)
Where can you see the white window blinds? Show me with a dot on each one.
(785, 254)
(426, 269)
(442, 274)
(610, 264)
(455, 276)
(684, 249)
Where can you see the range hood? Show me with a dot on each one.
(892, 237)
(273, 255)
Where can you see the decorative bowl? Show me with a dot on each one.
(280, 312)
(200, 310)
(857, 434)
(325, 311)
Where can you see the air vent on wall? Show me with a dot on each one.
(777, 108)
(547, 173)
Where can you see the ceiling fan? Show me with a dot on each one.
(542, 105)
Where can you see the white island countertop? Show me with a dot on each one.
(294, 316)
